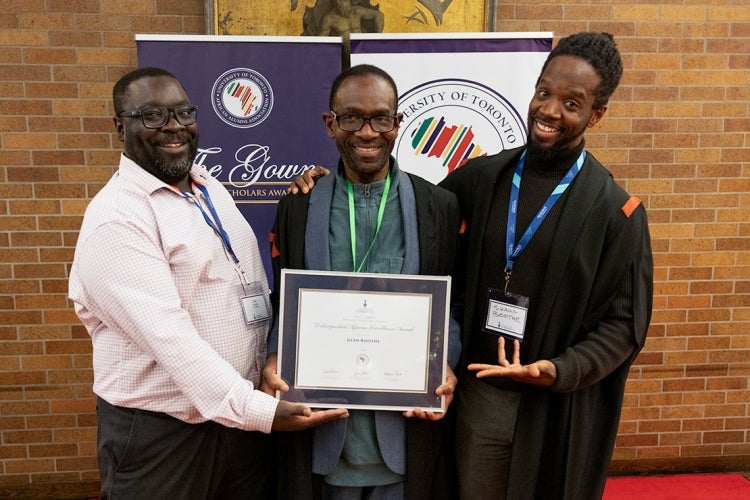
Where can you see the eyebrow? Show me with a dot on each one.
(361, 112)
(571, 92)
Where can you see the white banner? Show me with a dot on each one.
(462, 95)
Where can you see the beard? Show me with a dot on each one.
(175, 168)
(170, 168)
(569, 137)
(366, 169)
(538, 152)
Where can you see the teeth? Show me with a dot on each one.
(545, 128)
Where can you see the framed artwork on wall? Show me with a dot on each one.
(341, 17)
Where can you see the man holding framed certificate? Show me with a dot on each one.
(369, 218)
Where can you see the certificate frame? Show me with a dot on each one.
(349, 324)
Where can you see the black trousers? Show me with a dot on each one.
(144, 455)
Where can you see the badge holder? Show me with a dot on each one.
(254, 308)
(506, 314)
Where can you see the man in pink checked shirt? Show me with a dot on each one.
(168, 281)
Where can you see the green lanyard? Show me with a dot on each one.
(352, 220)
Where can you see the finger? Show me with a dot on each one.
(265, 388)
(297, 185)
(445, 389)
(493, 371)
(296, 409)
(306, 182)
(272, 379)
(501, 359)
(424, 415)
(277, 383)
(516, 352)
(533, 370)
(449, 385)
(295, 417)
(481, 366)
(322, 416)
(321, 171)
(433, 416)
(416, 413)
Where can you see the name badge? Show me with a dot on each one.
(254, 308)
(506, 313)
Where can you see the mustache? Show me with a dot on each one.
(170, 138)
(541, 119)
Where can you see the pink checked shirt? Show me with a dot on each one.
(160, 296)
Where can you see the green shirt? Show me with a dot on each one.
(361, 463)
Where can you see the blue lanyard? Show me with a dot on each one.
(215, 223)
(513, 250)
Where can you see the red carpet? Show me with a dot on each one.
(678, 487)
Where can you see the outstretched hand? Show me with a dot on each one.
(541, 373)
(446, 389)
(297, 417)
(293, 416)
(305, 182)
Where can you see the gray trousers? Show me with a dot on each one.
(485, 421)
(394, 491)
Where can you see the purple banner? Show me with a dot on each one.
(452, 45)
(260, 102)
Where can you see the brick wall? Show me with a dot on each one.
(676, 134)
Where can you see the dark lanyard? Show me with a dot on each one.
(513, 250)
(352, 220)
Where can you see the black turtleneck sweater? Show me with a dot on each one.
(539, 179)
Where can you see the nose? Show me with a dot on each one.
(551, 107)
(367, 129)
(172, 121)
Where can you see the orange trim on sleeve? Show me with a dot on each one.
(274, 249)
(462, 229)
(629, 207)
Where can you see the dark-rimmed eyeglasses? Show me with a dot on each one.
(353, 123)
(158, 117)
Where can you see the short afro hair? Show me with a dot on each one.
(120, 90)
(600, 51)
(361, 70)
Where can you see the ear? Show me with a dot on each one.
(120, 126)
(596, 116)
(399, 119)
(328, 120)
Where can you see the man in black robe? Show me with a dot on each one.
(371, 217)
(572, 280)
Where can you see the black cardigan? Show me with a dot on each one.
(563, 441)
(428, 452)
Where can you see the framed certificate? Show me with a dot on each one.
(363, 341)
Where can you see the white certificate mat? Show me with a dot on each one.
(361, 340)
(381, 340)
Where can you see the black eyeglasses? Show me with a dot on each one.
(158, 117)
(353, 123)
